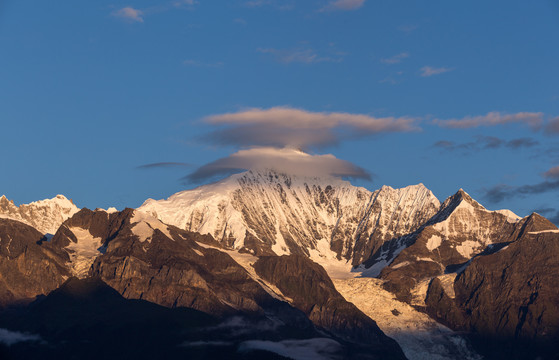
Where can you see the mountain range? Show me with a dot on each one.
(269, 265)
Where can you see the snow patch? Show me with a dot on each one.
(325, 257)
(434, 242)
(544, 232)
(198, 252)
(420, 337)
(402, 264)
(145, 225)
(511, 217)
(467, 248)
(83, 253)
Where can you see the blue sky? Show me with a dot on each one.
(90, 91)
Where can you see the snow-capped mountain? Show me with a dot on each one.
(265, 212)
(460, 230)
(44, 215)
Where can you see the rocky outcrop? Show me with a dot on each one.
(29, 266)
(148, 260)
(461, 229)
(308, 286)
(509, 297)
(44, 215)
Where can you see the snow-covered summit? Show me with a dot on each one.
(44, 215)
(269, 212)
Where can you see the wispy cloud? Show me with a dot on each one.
(532, 119)
(284, 160)
(552, 126)
(164, 165)
(9, 337)
(501, 192)
(129, 14)
(486, 142)
(427, 71)
(298, 55)
(285, 126)
(196, 63)
(552, 173)
(395, 59)
(343, 5)
(278, 4)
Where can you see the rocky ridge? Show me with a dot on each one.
(268, 213)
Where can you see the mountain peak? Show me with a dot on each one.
(44, 215)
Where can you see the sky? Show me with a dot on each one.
(111, 102)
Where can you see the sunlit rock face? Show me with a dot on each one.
(265, 212)
(509, 297)
(44, 215)
(28, 266)
(461, 229)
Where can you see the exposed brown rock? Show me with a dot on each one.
(312, 291)
(28, 265)
(509, 297)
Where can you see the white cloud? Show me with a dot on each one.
(285, 126)
(343, 5)
(427, 71)
(532, 119)
(129, 14)
(289, 161)
(396, 58)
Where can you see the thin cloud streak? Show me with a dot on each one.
(396, 59)
(285, 160)
(290, 127)
(164, 165)
(552, 127)
(501, 192)
(343, 5)
(552, 173)
(129, 14)
(428, 71)
(486, 142)
(532, 119)
(299, 55)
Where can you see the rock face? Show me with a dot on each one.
(142, 258)
(268, 213)
(28, 265)
(461, 229)
(87, 319)
(145, 259)
(312, 291)
(509, 297)
(44, 215)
